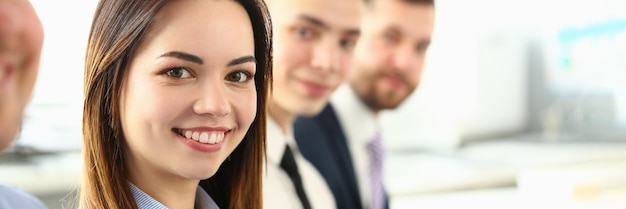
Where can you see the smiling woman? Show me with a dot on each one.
(172, 90)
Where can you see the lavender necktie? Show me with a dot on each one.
(375, 149)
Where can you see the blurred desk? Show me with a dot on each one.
(511, 173)
(498, 198)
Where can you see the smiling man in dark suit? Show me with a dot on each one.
(313, 42)
(343, 142)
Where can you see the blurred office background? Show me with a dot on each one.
(522, 104)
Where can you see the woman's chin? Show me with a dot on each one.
(201, 175)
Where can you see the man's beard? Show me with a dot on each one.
(378, 101)
(383, 102)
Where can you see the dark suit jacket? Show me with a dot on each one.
(321, 141)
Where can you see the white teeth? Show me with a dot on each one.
(195, 136)
(220, 137)
(204, 137)
(213, 138)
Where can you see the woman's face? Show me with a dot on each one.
(189, 94)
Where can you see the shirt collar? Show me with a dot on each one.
(144, 201)
(276, 141)
(357, 121)
(204, 200)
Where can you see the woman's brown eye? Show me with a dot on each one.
(238, 77)
(178, 73)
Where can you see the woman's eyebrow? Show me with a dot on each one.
(183, 56)
(241, 60)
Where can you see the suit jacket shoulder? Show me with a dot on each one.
(322, 142)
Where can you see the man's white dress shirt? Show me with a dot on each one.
(278, 189)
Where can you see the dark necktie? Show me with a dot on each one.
(288, 163)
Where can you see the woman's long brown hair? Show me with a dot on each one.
(117, 29)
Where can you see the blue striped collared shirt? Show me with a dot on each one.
(144, 201)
